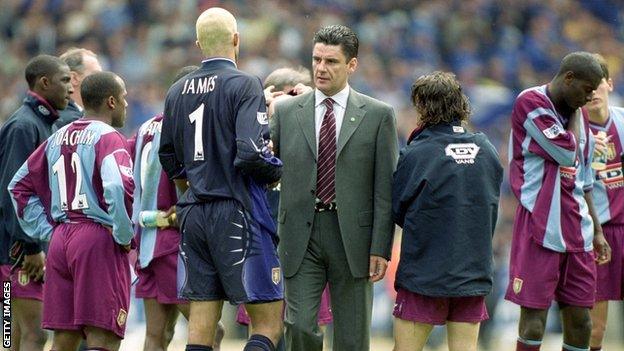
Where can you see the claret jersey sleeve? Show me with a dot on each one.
(115, 165)
(549, 171)
(83, 172)
(31, 197)
(545, 136)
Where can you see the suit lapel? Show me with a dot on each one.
(354, 114)
(305, 117)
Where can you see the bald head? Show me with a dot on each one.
(217, 35)
(286, 78)
(81, 60)
(82, 63)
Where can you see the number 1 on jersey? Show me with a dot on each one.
(197, 117)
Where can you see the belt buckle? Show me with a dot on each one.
(321, 207)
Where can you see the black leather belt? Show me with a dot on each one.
(320, 207)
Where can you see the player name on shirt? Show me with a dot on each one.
(74, 137)
(153, 128)
(200, 85)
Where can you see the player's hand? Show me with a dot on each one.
(34, 265)
(377, 268)
(170, 214)
(274, 186)
(170, 211)
(270, 95)
(602, 141)
(300, 88)
(601, 248)
(271, 108)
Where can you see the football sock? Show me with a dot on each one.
(528, 345)
(567, 347)
(259, 342)
(192, 347)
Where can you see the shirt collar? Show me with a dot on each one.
(217, 60)
(41, 106)
(339, 98)
(448, 128)
(72, 104)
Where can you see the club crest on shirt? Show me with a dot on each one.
(22, 278)
(517, 285)
(610, 151)
(276, 275)
(44, 111)
(552, 131)
(127, 171)
(121, 317)
(262, 118)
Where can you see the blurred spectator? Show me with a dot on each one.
(496, 47)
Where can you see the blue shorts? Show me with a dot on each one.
(226, 255)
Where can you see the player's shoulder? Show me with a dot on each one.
(150, 122)
(106, 132)
(23, 117)
(240, 79)
(533, 100)
(534, 95)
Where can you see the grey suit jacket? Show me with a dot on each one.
(367, 152)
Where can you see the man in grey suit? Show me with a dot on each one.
(339, 150)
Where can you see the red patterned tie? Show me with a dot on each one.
(326, 169)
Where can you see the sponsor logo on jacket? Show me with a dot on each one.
(464, 153)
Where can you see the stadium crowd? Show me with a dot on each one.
(496, 49)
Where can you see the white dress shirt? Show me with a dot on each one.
(340, 105)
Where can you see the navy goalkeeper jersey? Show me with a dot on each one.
(214, 134)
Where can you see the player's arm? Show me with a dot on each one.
(115, 167)
(169, 144)
(601, 246)
(253, 156)
(25, 189)
(136, 143)
(21, 141)
(553, 142)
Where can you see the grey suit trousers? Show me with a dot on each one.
(351, 298)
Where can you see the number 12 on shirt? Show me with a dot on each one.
(80, 200)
